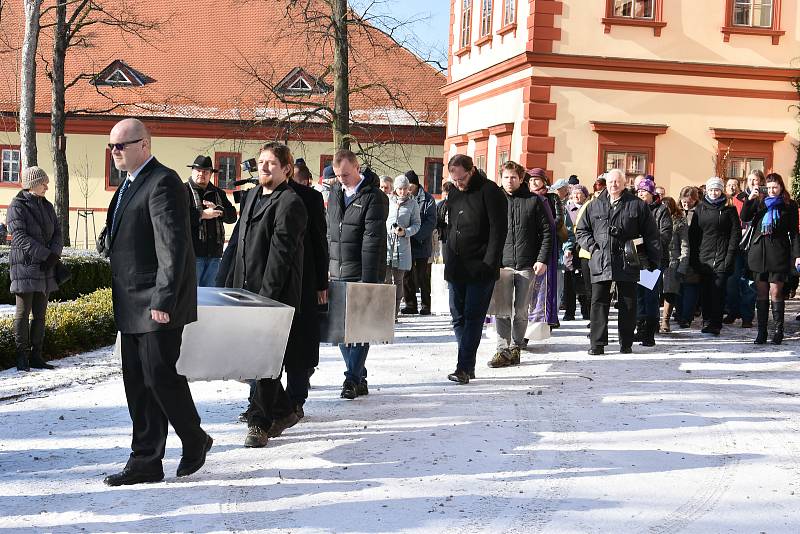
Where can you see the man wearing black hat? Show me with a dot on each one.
(209, 208)
(419, 277)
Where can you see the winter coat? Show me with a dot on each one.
(441, 220)
(631, 218)
(777, 252)
(678, 256)
(269, 254)
(302, 349)
(714, 236)
(35, 234)
(476, 231)
(405, 214)
(211, 245)
(422, 241)
(529, 238)
(664, 223)
(357, 232)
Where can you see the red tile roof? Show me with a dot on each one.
(202, 57)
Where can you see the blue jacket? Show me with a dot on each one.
(422, 242)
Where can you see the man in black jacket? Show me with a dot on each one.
(155, 296)
(477, 225)
(357, 213)
(526, 252)
(419, 277)
(269, 261)
(611, 220)
(209, 209)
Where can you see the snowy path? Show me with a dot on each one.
(694, 435)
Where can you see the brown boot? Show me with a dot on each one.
(665, 315)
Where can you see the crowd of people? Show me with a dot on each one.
(715, 248)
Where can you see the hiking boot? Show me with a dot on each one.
(462, 377)
(349, 390)
(501, 358)
(256, 437)
(362, 389)
(515, 355)
(279, 425)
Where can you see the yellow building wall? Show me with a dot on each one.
(501, 48)
(692, 34)
(86, 159)
(684, 153)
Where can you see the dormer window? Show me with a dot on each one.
(299, 82)
(119, 73)
(117, 78)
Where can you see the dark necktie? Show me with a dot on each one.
(122, 189)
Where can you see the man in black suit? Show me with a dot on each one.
(155, 296)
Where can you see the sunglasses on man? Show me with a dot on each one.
(121, 146)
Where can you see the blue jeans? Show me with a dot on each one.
(468, 305)
(690, 293)
(207, 269)
(355, 358)
(740, 298)
(648, 300)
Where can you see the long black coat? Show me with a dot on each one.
(302, 352)
(269, 254)
(664, 224)
(632, 218)
(152, 260)
(529, 238)
(357, 233)
(35, 234)
(714, 236)
(777, 252)
(476, 231)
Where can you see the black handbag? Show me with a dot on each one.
(102, 243)
(62, 273)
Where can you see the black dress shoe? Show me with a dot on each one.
(625, 350)
(408, 311)
(187, 466)
(129, 476)
(596, 350)
(348, 390)
(425, 311)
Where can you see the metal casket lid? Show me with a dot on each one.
(227, 296)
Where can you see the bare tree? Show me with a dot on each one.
(27, 105)
(343, 44)
(71, 24)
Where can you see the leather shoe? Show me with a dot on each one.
(187, 466)
(625, 350)
(596, 350)
(129, 476)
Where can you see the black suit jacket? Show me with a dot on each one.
(152, 260)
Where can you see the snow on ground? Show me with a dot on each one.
(698, 434)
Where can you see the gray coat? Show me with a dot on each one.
(630, 218)
(404, 214)
(35, 234)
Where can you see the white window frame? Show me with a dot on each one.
(11, 165)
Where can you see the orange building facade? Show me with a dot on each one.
(679, 89)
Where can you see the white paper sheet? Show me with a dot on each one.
(649, 279)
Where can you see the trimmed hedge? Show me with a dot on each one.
(90, 272)
(70, 327)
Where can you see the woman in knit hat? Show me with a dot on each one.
(714, 236)
(774, 250)
(403, 222)
(36, 245)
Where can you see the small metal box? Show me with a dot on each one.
(358, 313)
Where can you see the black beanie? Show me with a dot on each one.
(412, 177)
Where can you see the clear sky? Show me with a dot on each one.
(427, 34)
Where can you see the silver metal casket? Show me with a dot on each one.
(503, 295)
(358, 313)
(237, 335)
